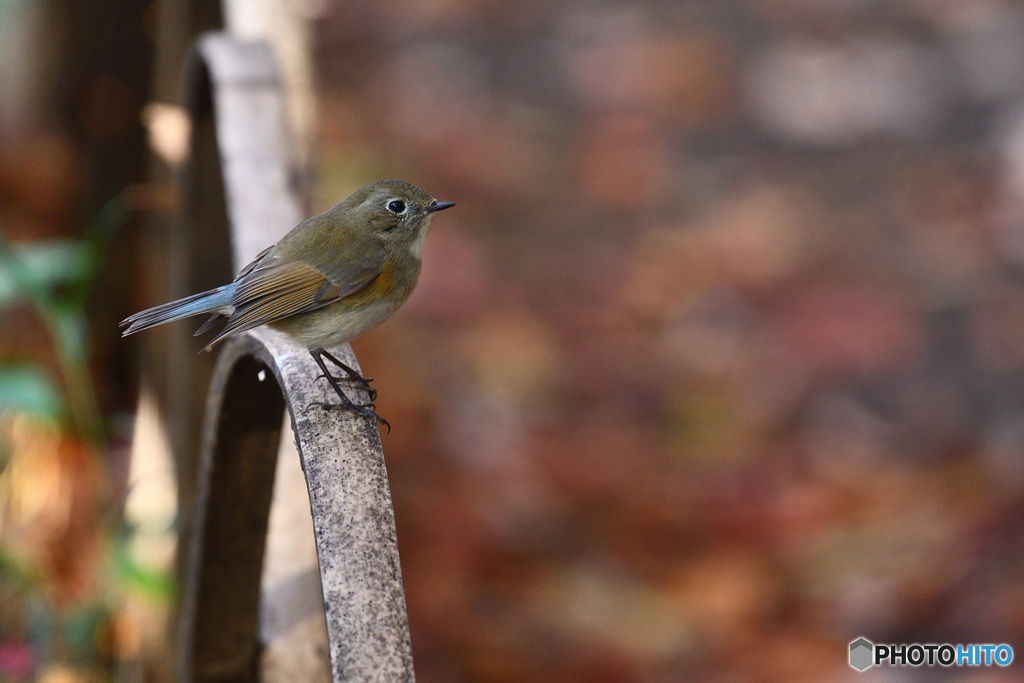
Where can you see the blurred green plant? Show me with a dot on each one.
(39, 629)
(56, 277)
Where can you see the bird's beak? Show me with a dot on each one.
(439, 206)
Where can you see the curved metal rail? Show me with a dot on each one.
(233, 86)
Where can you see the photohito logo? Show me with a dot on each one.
(864, 654)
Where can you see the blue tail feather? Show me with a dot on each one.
(205, 302)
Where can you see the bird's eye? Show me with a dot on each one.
(396, 206)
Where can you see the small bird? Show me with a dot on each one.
(330, 279)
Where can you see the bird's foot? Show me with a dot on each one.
(366, 410)
(353, 375)
(362, 382)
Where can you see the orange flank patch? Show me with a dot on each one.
(379, 288)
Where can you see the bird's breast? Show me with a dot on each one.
(356, 314)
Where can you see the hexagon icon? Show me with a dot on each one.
(862, 653)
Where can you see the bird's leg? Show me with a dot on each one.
(367, 410)
(353, 376)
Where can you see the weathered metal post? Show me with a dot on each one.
(235, 90)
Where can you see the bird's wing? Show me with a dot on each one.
(274, 287)
(217, 317)
(252, 264)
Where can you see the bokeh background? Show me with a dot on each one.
(717, 365)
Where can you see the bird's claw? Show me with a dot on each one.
(367, 410)
(363, 382)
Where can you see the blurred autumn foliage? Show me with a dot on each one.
(66, 572)
(717, 365)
